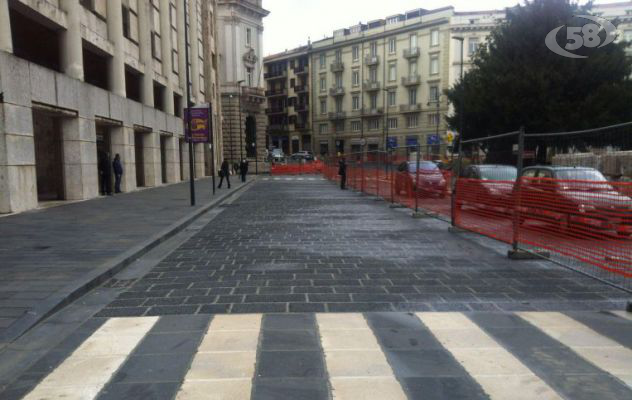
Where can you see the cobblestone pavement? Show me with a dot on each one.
(305, 246)
(350, 356)
(43, 252)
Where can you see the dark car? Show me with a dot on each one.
(488, 187)
(431, 180)
(577, 199)
(302, 155)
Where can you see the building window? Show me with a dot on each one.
(338, 104)
(339, 126)
(373, 74)
(355, 103)
(391, 20)
(249, 76)
(434, 93)
(472, 46)
(338, 55)
(322, 128)
(392, 98)
(248, 37)
(433, 119)
(97, 7)
(413, 41)
(374, 124)
(323, 83)
(355, 77)
(355, 53)
(392, 45)
(373, 49)
(156, 44)
(412, 68)
(412, 121)
(373, 101)
(392, 123)
(434, 65)
(392, 72)
(356, 126)
(323, 61)
(338, 79)
(412, 96)
(173, 23)
(130, 20)
(323, 106)
(434, 37)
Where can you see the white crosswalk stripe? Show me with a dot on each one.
(358, 363)
(499, 373)
(603, 352)
(92, 365)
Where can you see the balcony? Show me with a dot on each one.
(275, 75)
(337, 66)
(300, 70)
(372, 60)
(278, 128)
(302, 107)
(301, 89)
(411, 53)
(410, 108)
(373, 112)
(301, 126)
(276, 110)
(337, 91)
(276, 92)
(371, 86)
(337, 115)
(412, 80)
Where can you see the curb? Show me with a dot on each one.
(102, 273)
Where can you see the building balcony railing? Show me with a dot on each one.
(278, 128)
(303, 69)
(372, 60)
(410, 108)
(412, 80)
(276, 110)
(275, 75)
(252, 91)
(371, 86)
(337, 66)
(337, 115)
(300, 107)
(301, 126)
(411, 53)
(301, 89)
(276, 92)
(372, 112)
(337, 91)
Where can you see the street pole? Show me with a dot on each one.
(189, 102)
(241, 144)
(230, 127)
(212, 150)
(462, 40)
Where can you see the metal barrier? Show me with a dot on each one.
(298, 167)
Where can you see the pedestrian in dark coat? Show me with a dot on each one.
(342, 171)
(105, 170)
(224, 173)
(117, 166)
(243, 169)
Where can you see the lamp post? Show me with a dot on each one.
(462, 40)
(230, 128)
(241, 144)
(189, 102)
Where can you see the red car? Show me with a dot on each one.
(431, 180)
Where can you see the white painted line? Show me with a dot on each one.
(356, 365)
(301, 179)
(224, 365)
(89, 368)
(603, 352)
(623, 314)
(277, 179)
(500, 374)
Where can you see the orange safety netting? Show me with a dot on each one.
(310, 167)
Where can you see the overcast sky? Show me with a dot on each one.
(292, 22)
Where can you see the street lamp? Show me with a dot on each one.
(241, 144)
(462, 40)
(189, 103)
(230, 128)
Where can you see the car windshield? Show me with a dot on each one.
(499, 174)
(277, 151)
(580, 175)
(424, 166)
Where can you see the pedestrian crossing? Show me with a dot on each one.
(380, 356)
(293, 178)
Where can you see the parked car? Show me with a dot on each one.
(489, 187)
(576, 199)
(276, 155)
(431, 180)
(302, 155)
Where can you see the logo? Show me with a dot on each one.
(586, 36)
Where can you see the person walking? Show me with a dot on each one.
(105, 170)
(224, 172)
(342, 171)
(243, 169)
(118, 173)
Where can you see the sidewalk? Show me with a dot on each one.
(50, 257)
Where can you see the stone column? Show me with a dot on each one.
(122, 139)
(181, 45)
(115, 35)
(144, 32)
(173, 159)
(199, 159)
(167, 68)
(151, 155)
(71, 47)
(80, 158)
(6, 40)
(185, 160)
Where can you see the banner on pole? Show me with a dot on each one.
(200, 121)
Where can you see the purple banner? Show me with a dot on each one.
(200, 125)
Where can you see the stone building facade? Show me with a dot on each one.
(84, 79)
(240, 26)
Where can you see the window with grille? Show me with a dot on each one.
(412, 121)
(392, 123)
(355, 103)
(356, 126)
(322, 128)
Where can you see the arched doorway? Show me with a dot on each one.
(251, 137)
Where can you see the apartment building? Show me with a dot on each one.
(87, 79)
(287, 91)
(240, 23)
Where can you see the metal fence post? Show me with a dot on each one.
(456, 173)
(416, 191)
(362, 166)
(377, 175)
(392, 176)
(517, 191)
